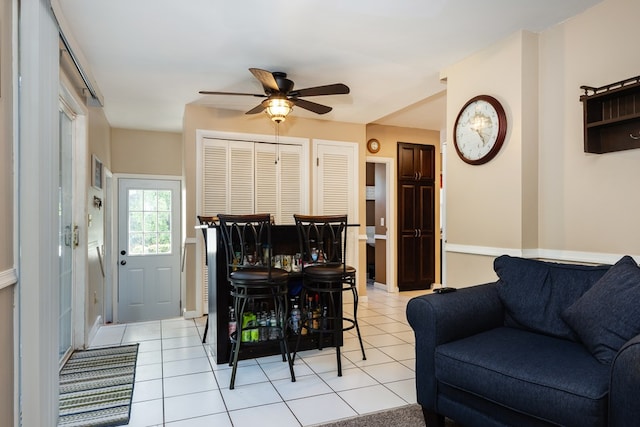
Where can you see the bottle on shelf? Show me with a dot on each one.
(249, 327)
(263, 334)
(273, 326)
(295, 319)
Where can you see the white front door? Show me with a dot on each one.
(148, 249)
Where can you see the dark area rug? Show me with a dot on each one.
(96, 387)
(403, 416)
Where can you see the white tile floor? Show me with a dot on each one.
(178, 384)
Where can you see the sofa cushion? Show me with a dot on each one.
(608, 314)
(530, 373)
(535, 293)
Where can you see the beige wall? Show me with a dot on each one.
(542, 195)
(389, 136)
(588, 201)
(146, 152)
(7, 262)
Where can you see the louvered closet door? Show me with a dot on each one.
(266, 179)
(227, 186)
(241, 178)
(336, 187)
(336, 181)
(214, 177)
(292, 194)
(279, 178)
(227, 177)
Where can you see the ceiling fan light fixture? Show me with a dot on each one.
(278, 108)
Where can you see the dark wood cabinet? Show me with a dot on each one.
(612, 116)
(416, 216)
(416, 162)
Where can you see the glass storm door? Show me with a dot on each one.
(66, 234)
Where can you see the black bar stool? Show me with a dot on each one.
(247, 240)
(323, 245)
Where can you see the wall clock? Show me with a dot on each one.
(373, 145)
(480, 130)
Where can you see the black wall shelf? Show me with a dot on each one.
(612, 116)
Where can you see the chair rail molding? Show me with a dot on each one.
(8, 278)
(540, 253)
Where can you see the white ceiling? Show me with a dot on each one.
(151, 57)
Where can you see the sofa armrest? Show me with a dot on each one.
(440, 318)
(625, 385)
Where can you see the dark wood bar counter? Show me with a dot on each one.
(284, 239)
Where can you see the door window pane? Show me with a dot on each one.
(149, 222)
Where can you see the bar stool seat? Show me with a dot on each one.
(322, 271)
(259, 276)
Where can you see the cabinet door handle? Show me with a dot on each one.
(419, 175)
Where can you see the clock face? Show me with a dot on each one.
(480, 130)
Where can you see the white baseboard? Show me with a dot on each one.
(94, 330)
(190, 314)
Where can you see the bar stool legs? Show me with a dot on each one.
(241, 298)
(332, 321)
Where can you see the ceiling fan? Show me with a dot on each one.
(281, 97)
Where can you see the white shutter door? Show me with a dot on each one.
(214, 177)
(291, 171)
(335, 181)
(241, 178)
(336, 188)
(266, 179)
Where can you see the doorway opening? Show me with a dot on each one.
(380, 224)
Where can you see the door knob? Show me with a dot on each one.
(123, 262)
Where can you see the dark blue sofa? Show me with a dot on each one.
(547, 344)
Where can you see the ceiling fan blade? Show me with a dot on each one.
(311, 106)
(258, 108)
(334, 89)
(266, 78)
(209, 92)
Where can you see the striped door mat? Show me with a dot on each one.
(96, 387)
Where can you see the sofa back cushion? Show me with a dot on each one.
(608, 314)
(536, 293)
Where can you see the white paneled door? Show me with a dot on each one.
(148, 249)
